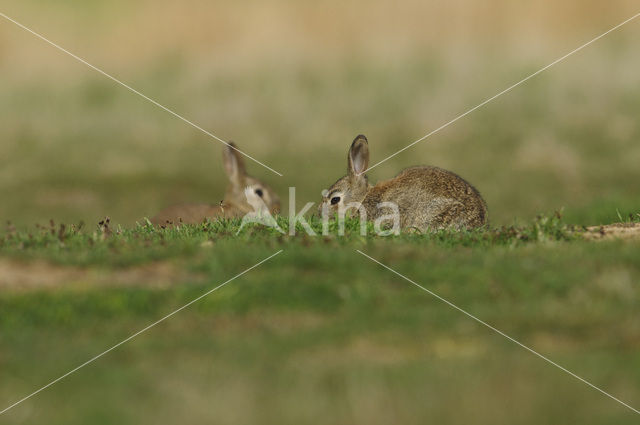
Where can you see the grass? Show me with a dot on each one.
(145, 242)
(320, 329)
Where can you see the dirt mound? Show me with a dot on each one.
(613, 231)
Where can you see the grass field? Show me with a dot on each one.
(319, 333)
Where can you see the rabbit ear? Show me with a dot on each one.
(234, 165)
(358, 156)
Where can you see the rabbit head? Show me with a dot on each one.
(242, 185)
(354, 186)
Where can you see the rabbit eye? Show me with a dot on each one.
(259, 192)
(335, 200)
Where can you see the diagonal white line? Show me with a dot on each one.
(498, 331)
(442, 127)
(137, 333)
(175, 114)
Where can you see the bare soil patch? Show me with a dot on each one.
(18, 275)
(613, 231)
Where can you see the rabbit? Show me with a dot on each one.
(243, 195)
(428, 198)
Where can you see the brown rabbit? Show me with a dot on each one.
(238, 200)
(427, 197)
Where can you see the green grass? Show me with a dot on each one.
(320, 330)
(117, 245)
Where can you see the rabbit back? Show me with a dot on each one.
(429, 198)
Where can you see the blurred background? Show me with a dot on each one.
(292, 82)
